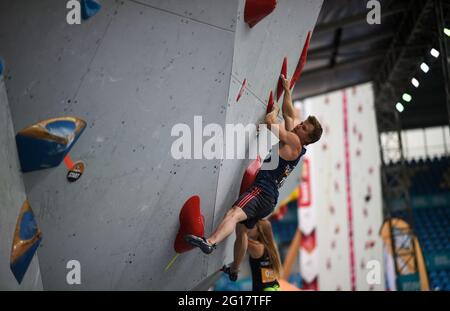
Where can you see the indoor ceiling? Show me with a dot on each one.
(345, 50)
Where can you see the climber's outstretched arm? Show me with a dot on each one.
(286, 137)
(288, 108)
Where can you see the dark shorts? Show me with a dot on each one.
(256, 204)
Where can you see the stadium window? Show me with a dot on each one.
(435, 142)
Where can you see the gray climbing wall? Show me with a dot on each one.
(12, 194)
(132, 72)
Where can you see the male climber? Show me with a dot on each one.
(260, 199)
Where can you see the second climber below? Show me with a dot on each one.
(260, 199)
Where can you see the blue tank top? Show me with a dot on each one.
(271, 180)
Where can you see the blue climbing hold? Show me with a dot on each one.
(28, 226)
(26, 240)
(1, 66)
(89, 8)
(46, 143)
(20, 266)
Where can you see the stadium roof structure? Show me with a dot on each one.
(346, 50)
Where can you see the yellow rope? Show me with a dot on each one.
(171, 262)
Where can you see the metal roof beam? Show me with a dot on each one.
(353, 20)
(353, 43)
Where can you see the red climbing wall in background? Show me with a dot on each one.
(346, 189)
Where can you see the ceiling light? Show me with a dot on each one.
(424, 67)
(434, 53)
(406, 97)
(415, 82)
(447, 31)
(399, 107)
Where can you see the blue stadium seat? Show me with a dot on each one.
(430, 184)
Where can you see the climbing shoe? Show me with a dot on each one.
(199, 242)
(233, 276)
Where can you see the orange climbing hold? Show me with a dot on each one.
(68, 161)
(280, 82)
(250, 174)
(191, 222)
(256, 10)
(301, 62)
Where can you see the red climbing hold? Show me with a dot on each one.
(301, 62)
(308, 242)
(337, 229)
(328, 264)
(270, 103)
(333, 244)
(313, 285)
(279, 214)
(360, 137)
(362, 264)
(250, 174)
(369, 244)
(241, 90)
(331, 209)
(336, 186)
(256, 10)
(191, 222)
(280, 82)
